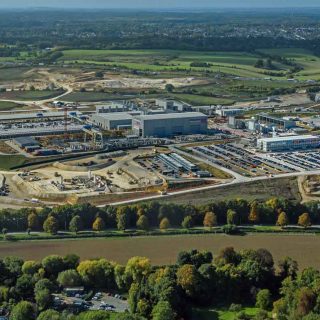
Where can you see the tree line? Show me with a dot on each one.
(150, 215)
(197, 279)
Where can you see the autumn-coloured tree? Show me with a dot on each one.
(304, 220)
(282, 219)
(188, 278)
(98, 224)
(254, 213)
(164, 224)
(210, 220)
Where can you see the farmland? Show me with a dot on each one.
(167, 247)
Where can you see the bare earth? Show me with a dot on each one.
(164, 249)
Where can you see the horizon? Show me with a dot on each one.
(157, 4)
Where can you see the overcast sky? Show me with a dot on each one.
(130, 4)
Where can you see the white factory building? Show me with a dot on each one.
(288, 143)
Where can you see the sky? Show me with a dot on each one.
(157, 4)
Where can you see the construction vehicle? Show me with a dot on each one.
(162, 189)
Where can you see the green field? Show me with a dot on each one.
(7, 106)
(306, 59)
(235, 63)
(29, 95)
(220, 314)
(8, 162)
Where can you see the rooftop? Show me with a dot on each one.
(31, 115)
(165, 116)
(115, 115)
(289, 138)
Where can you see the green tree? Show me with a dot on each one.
(43, 299)
(69, 278)
(143, 223)
(51, 225)
(259, 63)
(30, 267)
(122, 217)
(24, 286)
(187, 222)
(53, 264)
(49, 315)
(24, 310)
(164, 224)
(169, 87)
(163, 311)
(99, 75)
(304, 220)
(98, 225)
(137, 267)
(76, 224)
(263, 299)
(232, 217)
(33, 221)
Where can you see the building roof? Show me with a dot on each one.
(289, 138)
(115, 116)
(32, 115)
(168, 116)
(26, 141)
(271, 117)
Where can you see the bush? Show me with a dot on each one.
(230, 229)
(234, 307)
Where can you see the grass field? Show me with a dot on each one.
(306, 59)
(220, 314)
(236, 63)
(29, 95)
(9, 161)
(89, 97)
(199, 100)
(7, 106)
(164, 249)
(16, 73)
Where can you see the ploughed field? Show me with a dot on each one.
(164, 249)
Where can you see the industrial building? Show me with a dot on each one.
(288, 143)
(173, 105)
(24, 142)
(123, 106)
(273, 121)
(171, 124)
(228, 112)
(32, 116)
(113, 121)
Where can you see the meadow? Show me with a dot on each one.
(235, 63)
(164, 249)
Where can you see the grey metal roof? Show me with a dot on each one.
(30, 141)
(114, 116)
(168, 116)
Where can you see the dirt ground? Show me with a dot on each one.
(164, 249)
